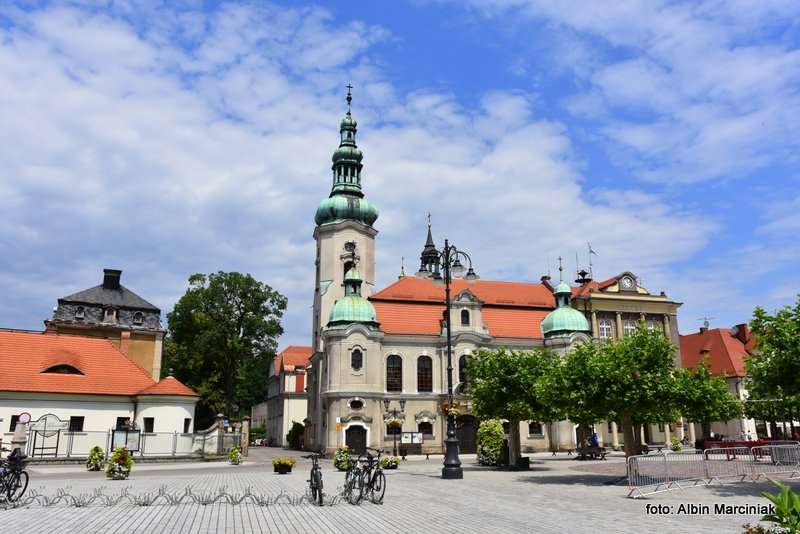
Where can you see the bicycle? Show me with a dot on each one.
(352, 481)
(13, 477)
(315, 479)
(373, 481)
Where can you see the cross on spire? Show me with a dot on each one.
(429, 220)
(560, 270)
(349, 97)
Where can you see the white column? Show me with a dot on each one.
(667, 435)
(614, 435)
(619, 325)
(692, 436)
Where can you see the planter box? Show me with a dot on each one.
(282, 469)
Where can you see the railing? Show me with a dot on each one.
(68, 444)
(654, 473)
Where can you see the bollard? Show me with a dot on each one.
(245, 444)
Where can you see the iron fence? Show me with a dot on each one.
(654, 473)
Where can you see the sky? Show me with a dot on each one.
(166, 141)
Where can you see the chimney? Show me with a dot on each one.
(111, 278)
(742, 333)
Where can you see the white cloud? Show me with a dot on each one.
(176, 142)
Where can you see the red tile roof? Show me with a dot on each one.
(169, 386)
(411, 288)
(416, 306)
(106, 370)
(592, 285)
(726, 352)
(292, 356)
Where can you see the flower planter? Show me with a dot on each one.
(283, 469)
(390, 466)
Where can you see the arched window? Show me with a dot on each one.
(506, 427)
(464, 317)
(63, 369)
(653, 326)
(347, 266)
(462, 372)
(356, 360)
(79, 313)
(426, 429)
(394, 373)
(138, 318)
(628, 328)
(424, 373)
(606, 330)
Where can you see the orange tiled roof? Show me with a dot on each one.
(169, 386)
(292, 356)
(592, 285)
(411, 288)
(726, 352)
(106, 370)
(416, 306)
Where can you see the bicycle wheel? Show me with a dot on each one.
(17, 483)
(317, 480)
(378, 487)
(352, 486)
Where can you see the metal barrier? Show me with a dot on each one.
(654, 473)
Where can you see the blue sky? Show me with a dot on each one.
(166, 141)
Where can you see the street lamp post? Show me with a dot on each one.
(394, 412)
(449, 263)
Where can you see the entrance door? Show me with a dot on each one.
(355, 437)
(467, 434)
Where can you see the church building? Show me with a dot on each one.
(378, 367)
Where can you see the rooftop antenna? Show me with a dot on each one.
(402, 267)
(706, 322)
(591, 273)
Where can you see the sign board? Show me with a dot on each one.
(49, 425)
(338, 426)
(412, 438)
(338, 420)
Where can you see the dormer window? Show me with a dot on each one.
(63, 369)
(138, 318)
(80, 313)
(109, 315)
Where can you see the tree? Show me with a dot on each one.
(704, 398)
(222, 336)
(630, 380)
(503, 385)
(774, 368)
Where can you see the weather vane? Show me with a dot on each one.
(429, 220)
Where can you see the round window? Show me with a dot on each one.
(356, 404)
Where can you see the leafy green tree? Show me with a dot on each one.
(490, 441)
(503, 385)
(774, 369)
(222, 336)
(295, 435)
(630, 380)
(704, 398)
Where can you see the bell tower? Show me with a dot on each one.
(344, 229)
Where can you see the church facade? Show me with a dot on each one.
(378, 368)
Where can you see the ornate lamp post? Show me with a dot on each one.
(394, 412)
(441, 269)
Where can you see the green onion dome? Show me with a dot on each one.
(564, 320)
(341, 207)
(353, 308)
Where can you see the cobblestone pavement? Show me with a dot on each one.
(552, 497)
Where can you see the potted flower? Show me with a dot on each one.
(283, 464)
(120, 464)
(390, 462)
(341, 459)
(452, 409)
(235, 456)
(96, 460)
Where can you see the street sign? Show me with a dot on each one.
(412, 438)
(49, 425)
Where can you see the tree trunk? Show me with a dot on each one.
(514, 446)
(628, 433)
(706, 429)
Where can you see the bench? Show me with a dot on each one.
(591, 453)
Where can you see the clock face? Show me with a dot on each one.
(627, 283)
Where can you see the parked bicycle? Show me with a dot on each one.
(315, 479)
(13, 477)
(352, 481)
(371, 480)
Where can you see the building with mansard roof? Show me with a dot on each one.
(378, 364)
